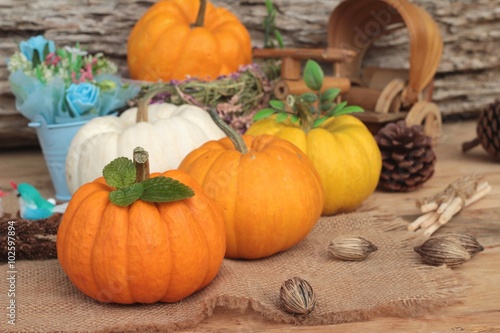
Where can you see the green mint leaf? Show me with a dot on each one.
(126, 196)
(119, 173)
(330, 94)
(313, 75)
(337, 108)
(295, 118)
(309, 97)
(263, 114)
(349, 109)
(326, 106)
(278, 105)
(164, 189)
(319, 121)
(281, 117)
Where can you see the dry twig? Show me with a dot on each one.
(440, 208)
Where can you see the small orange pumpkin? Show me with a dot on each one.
(145, 252)
(176, 38)
(269, 190)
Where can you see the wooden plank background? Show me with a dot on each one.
(468, 77)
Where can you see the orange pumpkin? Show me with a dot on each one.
(146, 252)
(269, 190)
(176, 38)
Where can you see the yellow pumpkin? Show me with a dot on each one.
(344, 153)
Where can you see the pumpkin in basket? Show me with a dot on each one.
(167, 131)
(134, 238)
(270, 193)
(339, 145)
(179, 38)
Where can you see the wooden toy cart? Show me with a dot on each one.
(291, 81)
(386, 94)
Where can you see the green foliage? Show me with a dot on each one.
(272, 36)
(121, 174)
(310, 109)
(313, 75)
(165, 189)
(127, 195)
(264, 113)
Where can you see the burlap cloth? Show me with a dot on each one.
(391, 282)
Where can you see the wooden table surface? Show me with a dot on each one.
(479, 313)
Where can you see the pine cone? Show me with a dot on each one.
(407, 157)
(488, 131)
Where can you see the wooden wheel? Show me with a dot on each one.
(389, 100)
(428, 116)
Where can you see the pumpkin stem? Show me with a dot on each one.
(142, 106)
(304, 115)
(141, 162)
(200, 19)
(237, 140)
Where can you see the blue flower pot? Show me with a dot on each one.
(54, 140)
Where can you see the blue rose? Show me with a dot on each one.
(82, 98)
(36, 44)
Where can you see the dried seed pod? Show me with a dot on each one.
(297, 296)
(469, 242)
(439, 251)
(352, 248)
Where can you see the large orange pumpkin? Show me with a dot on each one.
(176, 38)
(269, 190)
(146, 252)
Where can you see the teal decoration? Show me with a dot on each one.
(32, 205)
(82, 98)
(37, 46)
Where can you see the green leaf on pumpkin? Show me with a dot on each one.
(119, 173)
(165, 189)
(337, 108)
(309, 97)
(348, 110)
(313, 75)
(319, 121)
(281, 117)
(127, 195)
(122, 173)
(278, 105)
(330, 94)
(325, 106)
(263, 114)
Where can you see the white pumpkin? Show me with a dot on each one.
(168, 132)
